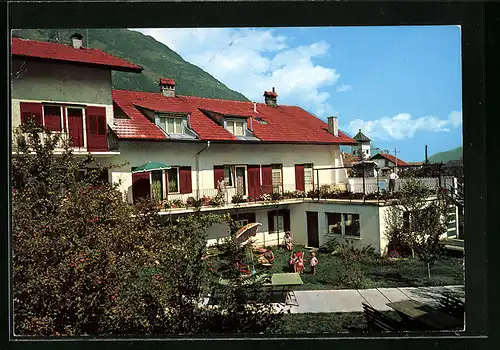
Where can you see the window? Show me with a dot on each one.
(243, 222)
(343, 224)
(334, 223)
(228, 175)
(157, 185)
(80, 174)
(278, 221)
(276, 176)
(173, 180)
(174, 125)
(308, 177)
(236, 128)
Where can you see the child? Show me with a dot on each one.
(314, 263)
(293, 266)
(300, 264)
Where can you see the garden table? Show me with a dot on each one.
(285, 282)
(281, 282)
(419, 312)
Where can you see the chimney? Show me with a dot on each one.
(77, 40)
(167, 87)
(255, 107)
(333, 126)
(271, 98)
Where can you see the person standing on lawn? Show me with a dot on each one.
(292, 263)
(314, 263)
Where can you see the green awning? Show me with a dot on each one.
(150, 166)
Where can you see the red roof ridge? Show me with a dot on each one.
(45, 50)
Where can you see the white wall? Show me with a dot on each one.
(183, 154)
(369, 216)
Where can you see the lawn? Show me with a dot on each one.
(375, 272)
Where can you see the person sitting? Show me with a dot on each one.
(288, 241)
(266, 259)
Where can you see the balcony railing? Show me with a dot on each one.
(368, 188)
(77, 141)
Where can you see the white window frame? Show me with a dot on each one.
(232, 173)
(164, 190)
(164, 120)
(277, 169)
(342, 225)
(231, 126)
(84, 122)
(61, 119)
(276, 221)
(246, 178)
(178, 181)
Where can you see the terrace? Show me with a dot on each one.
(362, 189)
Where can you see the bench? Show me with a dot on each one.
(379, 321)
(452, 306)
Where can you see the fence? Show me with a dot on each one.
(76, 139)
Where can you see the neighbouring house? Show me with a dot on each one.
(240, 152)
(362, 149)
(386, 162)
(66, 89)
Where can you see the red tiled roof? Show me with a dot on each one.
(392, 158)
(284, 123)
(270, 93)
(167, 81)
(60, 52)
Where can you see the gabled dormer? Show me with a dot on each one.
(238, 125)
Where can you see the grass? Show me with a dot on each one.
(375, 272)
(327, 322)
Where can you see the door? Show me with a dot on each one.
(75, 126)
(240, 180)
(141, 187)
(312, 229)
(253, 181)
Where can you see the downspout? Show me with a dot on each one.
(198, 169)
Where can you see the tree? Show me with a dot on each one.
(417, 219)
(246, 305)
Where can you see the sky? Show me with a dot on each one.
(402, 86)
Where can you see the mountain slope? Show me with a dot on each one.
(156, 58)
(444, 157)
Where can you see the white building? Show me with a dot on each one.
(362, 148)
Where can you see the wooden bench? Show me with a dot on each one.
(379, 321)
(452, 306)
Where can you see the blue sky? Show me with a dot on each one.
(400, 85)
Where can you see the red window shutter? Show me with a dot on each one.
(29, 110)
(267, 179)
(270, 220)
(185, 179)
(140, 186)
(218, 174)
(299, 178)
(52, 117)
(96, 128)
(286, 219)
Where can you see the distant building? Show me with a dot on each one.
(362, 147)
(387, 161)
